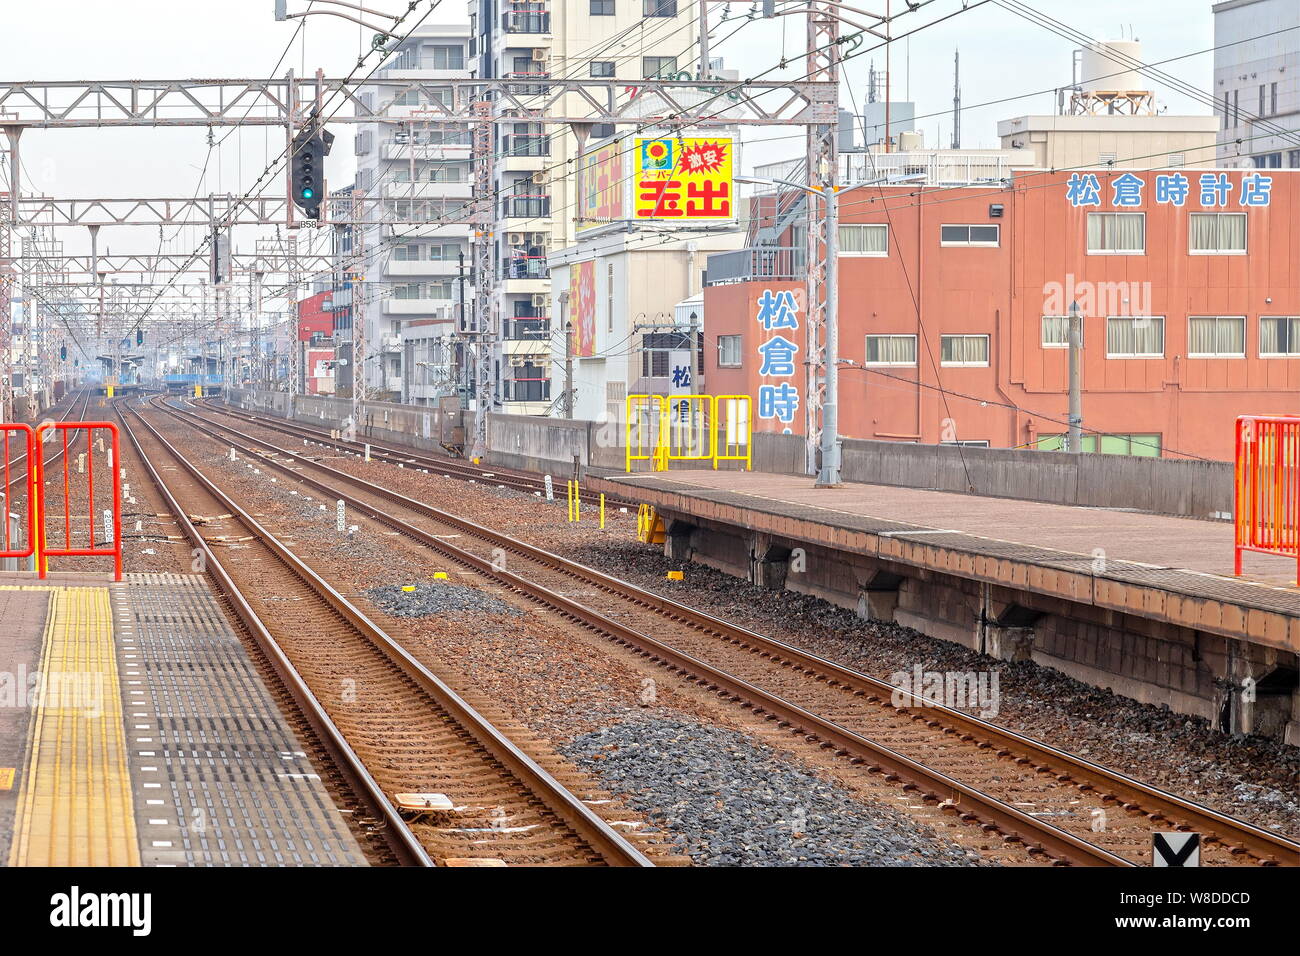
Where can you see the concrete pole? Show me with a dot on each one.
(828, 476)
(1076, 389)
(568, 354)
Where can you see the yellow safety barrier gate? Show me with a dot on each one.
(664, 428)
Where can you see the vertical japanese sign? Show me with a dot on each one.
(686, 179)
(777, 314)
(583, 282)
(603, 187)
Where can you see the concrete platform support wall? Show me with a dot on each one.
(1199, 489)
(1188, 671)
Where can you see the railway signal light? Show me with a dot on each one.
(139, 336)
(63, 353)
(307, 169)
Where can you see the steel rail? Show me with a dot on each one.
(584, 822)
(1130, 794)
(520, 481)
(1015, 825)
(399, 835)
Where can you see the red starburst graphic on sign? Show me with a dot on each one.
(703, 158)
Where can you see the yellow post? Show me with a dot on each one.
(577, 502)
(568, 497)
(602, 509)
(110, 391)
(198, 391)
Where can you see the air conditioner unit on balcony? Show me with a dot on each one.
(515, 238)
(539, 178)
(537, 238)
(541, 300)
(541, 55)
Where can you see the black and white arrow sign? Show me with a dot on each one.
(1175, 849)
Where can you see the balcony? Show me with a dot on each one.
(433, 230)
(527, 329)
(771, 263)
(424, 267)
(437, 308)
(534, 19)
(526, 206)
(525, 267)
(526, 390)
(425, 152)
(525, 144)
(529, 83)
(427, 190)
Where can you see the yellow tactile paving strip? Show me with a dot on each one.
(75, 806)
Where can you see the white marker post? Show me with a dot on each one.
(550, 489)
(342, 516)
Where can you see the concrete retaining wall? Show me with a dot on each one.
(1198, 489)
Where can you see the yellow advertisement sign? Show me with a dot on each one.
(683, 179)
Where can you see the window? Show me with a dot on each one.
(1056, 331)
(964, 350)
(1177, 159)
(602, 68)
(1279, 336)
(1217, 233)
(1107, 159)
(602, 8)
(657, 66)
(1261, 111)
(407, 253)
(1273, 99)
(729, 351)
(1142, 445)
(891, 350)
(659, 8)
(1135, 336)
(1216, 336)
(969, 235)
(448, 57)
(1268, 161)
(1117, 233)
(1294, 158)
(864, 240)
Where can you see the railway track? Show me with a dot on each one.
(407, 457)
(391, 724)
(15, 476)
(1057, 804)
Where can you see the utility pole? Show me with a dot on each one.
(358, 304)
(484, 272)
(568, 354)
(823, 173)
(956, 99)
(1076, 388)
(462, 376)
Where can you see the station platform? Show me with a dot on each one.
(1118, 598)
(137, 732)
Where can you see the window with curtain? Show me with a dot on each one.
(864, 240)
(1211, 233)
(729, 351)
(1056, 331)
(1117, 233)
(659, 8)
(1279, 335)
(964, 350)
(1216, 336)
(1135, 336)
(602, 8)
(657, 66)
(448, 57)
(891, 350)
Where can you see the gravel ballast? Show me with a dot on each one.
(733, 803)
(438, 598)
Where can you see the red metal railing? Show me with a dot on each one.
(43, 549)
(1267, 487)
(9, 442)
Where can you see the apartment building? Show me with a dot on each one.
(532, 41)
(1257, 83)
(415, 279)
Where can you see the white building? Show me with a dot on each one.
(531, 41)
(1257, 82)
(418, 170)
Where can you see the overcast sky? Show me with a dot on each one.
(1002, 56)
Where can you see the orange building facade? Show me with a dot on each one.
(953, 305)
